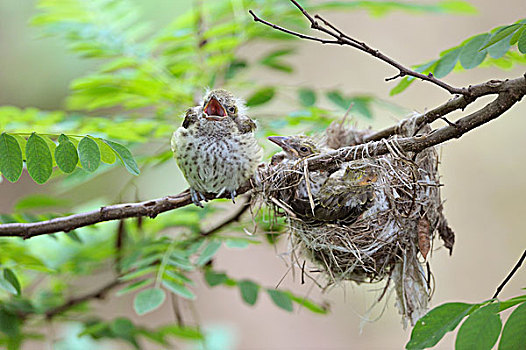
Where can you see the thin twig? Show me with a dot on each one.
(493, 110)
(458, 103)
(244, 207)
(341, 38)
(97, 294)
(291, 32)
(510, 275)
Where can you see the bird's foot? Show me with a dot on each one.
(197, 197)
(233, 194)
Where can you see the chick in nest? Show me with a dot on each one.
(321, 196)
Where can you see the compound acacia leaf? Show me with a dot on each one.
(11, 163)
(39, 159)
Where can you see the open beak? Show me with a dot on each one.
(214, 110)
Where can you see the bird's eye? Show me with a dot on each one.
(304, 149)
(232, 109)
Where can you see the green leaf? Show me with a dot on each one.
(89, 154)
(66, 154)
(214, 278)
(446, 63)
(515, 37)
(506, 304)
(436, 323)
(148, 300)
(401, 86)
(281, 299)
(261, 96)
(7, 286)
(125, 156)
(501, 34)
(514, 331)
(182, 332)
(179, 289)
(22, 142)
(134, 286)
(11, 163)
(9, 324)
(307, 97)
(278, 65)
(499, 49)
(471, 54)
(249, 291)
(480, 330)
(122, 327)
(272, 61)
(362, 106)
(208, 252)
(39, 160)
(309, 305)
(106, 153)
(521, 44)
(73, 235)
(337, 98)
(10, 277)
(235, 67)
(138, 273)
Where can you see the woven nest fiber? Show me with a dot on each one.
(389, 241)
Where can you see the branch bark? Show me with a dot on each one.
(150, 208)
(503, 102)
(508, 93)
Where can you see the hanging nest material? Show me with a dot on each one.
(389, 241)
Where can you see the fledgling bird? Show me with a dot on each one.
(215, 148)
(341, 196)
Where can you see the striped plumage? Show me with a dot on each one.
(215, 148)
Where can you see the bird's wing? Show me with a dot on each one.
(245, 124)
(190, 117)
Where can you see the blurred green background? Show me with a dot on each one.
(483, 174)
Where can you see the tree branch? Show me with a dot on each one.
(150, 208)
(100, 293)
(340, 38)
(509, 92)
(458, 102)
(504, 101)
(237, 215)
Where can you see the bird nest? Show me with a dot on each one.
(389, 241)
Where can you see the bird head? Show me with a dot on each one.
(219, 104)
(360, 174)
(296, 146)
